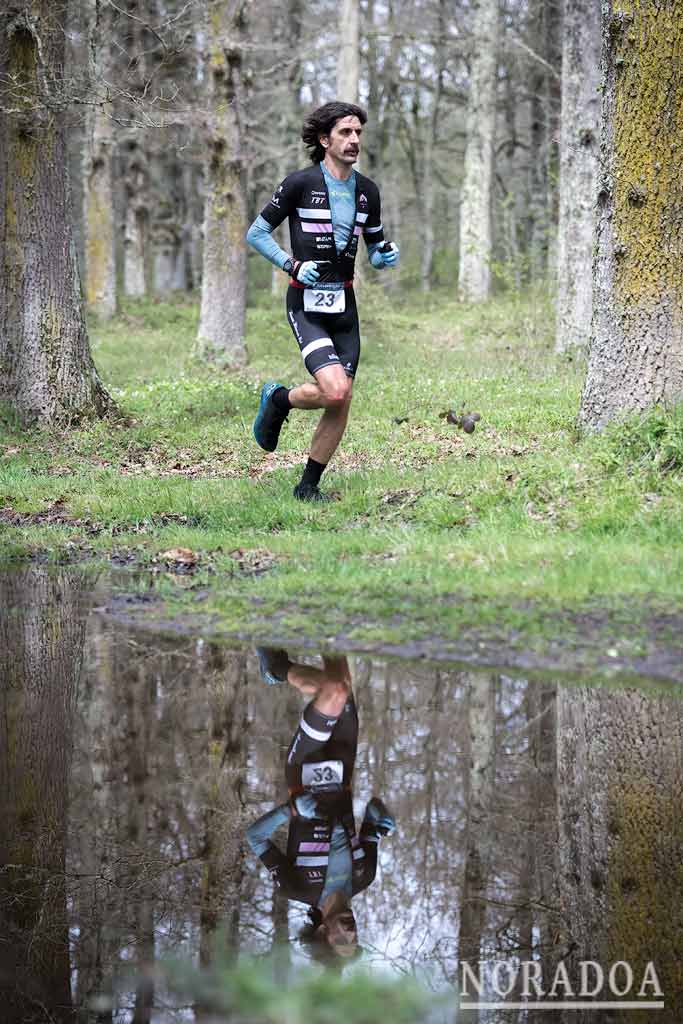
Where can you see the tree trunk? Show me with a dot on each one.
(136, 48)
(98, 215)
(621, 834)
(543, 793)
(433, 122)
(46, 370)
(474, 279)
(224, 815)
(636, 351)
(543, 85)
(348, 63)
(481, 711)
(578, 172)
(91, 849)
(136, 226)
(41, 651)
(292, 28)
(224, 280)
(140, 693)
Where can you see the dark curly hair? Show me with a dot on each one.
(322, 121)
(317, 948)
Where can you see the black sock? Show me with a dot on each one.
(281, 400)
(312, 473)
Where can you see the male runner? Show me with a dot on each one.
(328, 205)
(327, 861)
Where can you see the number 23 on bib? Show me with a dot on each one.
(324, 300)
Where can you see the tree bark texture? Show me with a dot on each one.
(224, 817)
(481, 712)
(46, 369)
(98, 218)
(41, 652)
(620, 778)
(348, 66)
(224, 280)
(136, 49)
(543, 86)
(474, 277)
(579, 141)
(636, 351)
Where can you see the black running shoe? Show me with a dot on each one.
(269, 419)
(310, 492)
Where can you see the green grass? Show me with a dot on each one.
(435, 530)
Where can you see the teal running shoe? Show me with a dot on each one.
(273, 664)
(269, 420)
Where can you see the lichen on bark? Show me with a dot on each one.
(636, 352)
(48, 374)
(224, 279)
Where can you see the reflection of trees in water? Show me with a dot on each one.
(41, 652)
(224, 682)
(170, 825)
(417, 725)
(470, 772)
(621, 834)
(178, 743)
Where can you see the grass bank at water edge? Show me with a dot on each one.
(435, 530)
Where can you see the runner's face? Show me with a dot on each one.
(343, 142)
(341, 930)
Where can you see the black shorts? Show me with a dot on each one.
(314, 742)
(325, 339)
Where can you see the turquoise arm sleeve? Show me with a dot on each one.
(259, 833)
(259, 237)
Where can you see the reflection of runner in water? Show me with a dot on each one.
(327, 862)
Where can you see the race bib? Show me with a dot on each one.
(324, 300)
(322, 774)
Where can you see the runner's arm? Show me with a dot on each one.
(260, 237)
(260, 831)
(373, 233)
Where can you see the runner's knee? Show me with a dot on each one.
(332, 698)
(336, 392)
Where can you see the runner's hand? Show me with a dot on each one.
(306, 272)
(306, 806)
(381, 817)
(390, 254)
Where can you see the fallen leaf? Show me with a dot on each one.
(183, 555)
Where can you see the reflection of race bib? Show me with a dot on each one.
(324, 300)
(322, 774)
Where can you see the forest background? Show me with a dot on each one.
(526, 152)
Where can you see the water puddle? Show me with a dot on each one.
(490, 834)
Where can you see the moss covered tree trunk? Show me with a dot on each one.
(621, 834)
(46, 370)
(41, 651)
(224, 279)
(474, 278)
(579, 143)
(636, 351)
